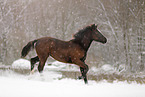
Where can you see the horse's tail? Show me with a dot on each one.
(28, 48)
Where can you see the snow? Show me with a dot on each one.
(62, 66)
(51, 84)
(107, 67)
(143, 53)
(11, 87)
(21, 63)
(56, 65)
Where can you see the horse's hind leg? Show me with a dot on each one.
(42, 62)
(33, 61)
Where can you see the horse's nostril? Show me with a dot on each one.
(105, 40)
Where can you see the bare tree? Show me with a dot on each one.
(121, 21)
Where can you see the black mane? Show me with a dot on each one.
(80, 34)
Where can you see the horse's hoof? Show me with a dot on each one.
(31, 73)
(32, 67)
(86, 82)
(80, 77)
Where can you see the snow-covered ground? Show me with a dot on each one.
(49, 84)
(11, 87)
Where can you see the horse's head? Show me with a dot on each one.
(96, 35)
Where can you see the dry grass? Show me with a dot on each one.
(109, 77)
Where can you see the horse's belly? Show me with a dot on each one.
(61, 57)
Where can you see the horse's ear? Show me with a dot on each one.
(93, 26)
(97, 26)
(73, 36)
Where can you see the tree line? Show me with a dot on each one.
(121, 21)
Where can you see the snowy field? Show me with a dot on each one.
(49, 84)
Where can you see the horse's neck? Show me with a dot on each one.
(85, 43)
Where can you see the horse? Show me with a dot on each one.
(73, 51)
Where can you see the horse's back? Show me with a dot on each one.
(49, 44)
(49, 41)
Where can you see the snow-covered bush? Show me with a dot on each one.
(21, 63)
(103, 68)
(109, 68)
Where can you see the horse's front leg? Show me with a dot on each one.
(84, 74)
(83, 68)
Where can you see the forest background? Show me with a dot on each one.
(121, 21)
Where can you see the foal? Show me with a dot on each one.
(73, 51)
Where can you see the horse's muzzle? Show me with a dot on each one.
(105, 40)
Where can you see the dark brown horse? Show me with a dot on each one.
(73, 51)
